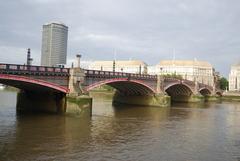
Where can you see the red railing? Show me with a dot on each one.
(118, 74)
(17, 67)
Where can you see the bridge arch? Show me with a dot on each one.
(205, 91)
(219, 93)
(179, 92)
(125, 87)
(30, 84)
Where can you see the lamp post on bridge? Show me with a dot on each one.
(29, 59)
(114, 65)
(78, 60)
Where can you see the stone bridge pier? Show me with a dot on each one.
(32, 101)
(79, 101)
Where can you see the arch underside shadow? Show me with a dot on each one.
(179, 92)
(219, 93)
(30, 84)
(205, 92)
(126, 87)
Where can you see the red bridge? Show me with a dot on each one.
(35, 78)
(140, 84)
(52, 83)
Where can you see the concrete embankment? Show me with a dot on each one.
(231, 96)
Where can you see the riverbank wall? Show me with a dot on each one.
(231, 96)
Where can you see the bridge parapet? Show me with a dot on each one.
(35, 70)
(108, 74)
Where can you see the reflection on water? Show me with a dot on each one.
(204, 132)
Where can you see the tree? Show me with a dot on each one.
(223, 83)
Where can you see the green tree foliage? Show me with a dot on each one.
(223, 83)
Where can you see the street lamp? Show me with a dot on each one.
(29, 59)
(78, 60)
(161, 70)
(114, 64)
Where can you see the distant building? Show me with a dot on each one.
(128, 66)
(85, 64)
(234, 78)
(152, 70)
(200, 71)
(54, 44)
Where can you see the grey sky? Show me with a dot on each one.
(139, 29)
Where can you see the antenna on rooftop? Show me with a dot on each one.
(115, 54)
(174, 56)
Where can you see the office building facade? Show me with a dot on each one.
(201, 71)
(234, 78)
(54, 44)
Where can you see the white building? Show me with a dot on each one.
(152, 70)
(128, 66)
(54, 44)
(201, 71)
(234, 78)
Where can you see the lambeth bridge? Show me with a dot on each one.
(48, 86)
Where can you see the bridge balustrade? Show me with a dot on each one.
(104, 74)
(15, 69)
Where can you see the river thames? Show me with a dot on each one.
(183, 132)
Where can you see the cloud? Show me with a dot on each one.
(148, 29)
(15, 55)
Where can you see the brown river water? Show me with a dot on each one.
(183, 132)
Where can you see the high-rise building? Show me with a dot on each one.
(54, 44)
